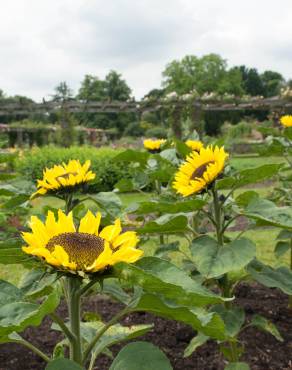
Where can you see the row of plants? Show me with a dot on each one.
(72, 253)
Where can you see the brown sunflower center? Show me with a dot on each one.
(66, 175)
(82, 248)
(200, 170)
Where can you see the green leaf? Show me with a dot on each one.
(140, 356)
(131, 155)
(273, 278)
(288, 133)
(213, 260)
(262, 323)
(267, 213)
(109, 202)
(36, 283)
(165, 224)
(16, 201)
(16, 316)
(63, 364)
(233, 318)
(7, 176)
(165, 248)
(155, 275)
(7, 190)
(195, 343)
(225, 183)
(168, 207)
(182, 148)
(237, 366)
(257, 174)
(8, 293)
(246, 198)
(115, 334)
(284, 234)
(209, 324)
(281, 248)
(114, 289)
(11, 252)
(125, 185)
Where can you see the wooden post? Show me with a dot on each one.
(175, 122)
(197, 116)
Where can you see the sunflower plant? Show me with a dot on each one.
(218, 260)
(71, 254)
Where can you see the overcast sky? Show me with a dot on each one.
(43, 42)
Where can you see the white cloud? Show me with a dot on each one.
(45, 42)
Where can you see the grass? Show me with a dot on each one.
(249, 161)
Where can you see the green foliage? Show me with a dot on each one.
(141, 356)
(107, 172)
(156, 132)
(134, 129)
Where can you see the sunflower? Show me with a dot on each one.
(194, 145)
(286, 120)
(153, 145)
(87, 250)
(64, 176)
(199, 170)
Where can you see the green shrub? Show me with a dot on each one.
(156, 132)
(134, 129)
(108, 173)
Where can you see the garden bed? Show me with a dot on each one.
(263, 352)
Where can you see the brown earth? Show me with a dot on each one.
(263, 352)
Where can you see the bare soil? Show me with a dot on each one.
(263, 352)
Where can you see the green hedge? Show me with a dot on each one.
(108, 173)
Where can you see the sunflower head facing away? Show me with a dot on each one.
(64, 176)
(84, 250)
(286, 120)
(199, 170)
(195, 145)
(153, 146)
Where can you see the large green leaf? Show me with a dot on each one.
(257, 174)
(195, 343)
(169, 224)
(131, 155)
(273, 278)
(16, 201)
(282, 247)
(141, 356)
(209, 324)
(267, 213)
(266, 325)
(115, 334)
(167, 207)
(109, 202)
(11, 252)
(156, 275)
(63, 364)
(37, 283)
(9, 293)
(17, 315)
(233, 318)
(213, 260)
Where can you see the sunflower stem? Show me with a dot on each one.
(74, 318)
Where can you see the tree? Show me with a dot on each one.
(252, 82)
(116, 88)
(62, 92)
(112, 88)
(272, 81)
(206, 74)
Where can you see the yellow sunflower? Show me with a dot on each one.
(153, 145)
(286, 120)
(194, 145)
(87, 250)
(65, 175)
(199, 170)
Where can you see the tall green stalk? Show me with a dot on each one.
(73, 294)
(223, 282)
